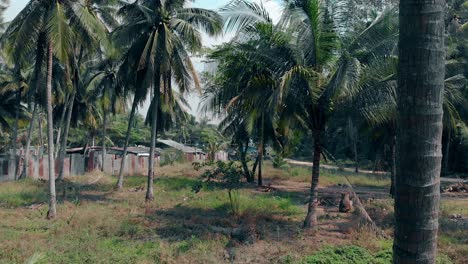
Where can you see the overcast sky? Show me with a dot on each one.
(273, 6)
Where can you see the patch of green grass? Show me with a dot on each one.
(328, 177)
(451, 207)
(357, 255)
(348, 254)
(22, 193)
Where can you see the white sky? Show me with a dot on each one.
(273, 6)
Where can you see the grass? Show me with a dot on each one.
(189, 222)
(328, 177)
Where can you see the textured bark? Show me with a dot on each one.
(24, 173)
(419, 146)
(50, 139)
(311, 218)
(154, 132)
(63, 145)
(127, 139)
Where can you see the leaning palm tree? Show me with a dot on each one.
(49, 27)
(160, 34)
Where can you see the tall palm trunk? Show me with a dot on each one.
(15, 157)
(243, 159)
(261, 150)
(59, 131)
(104, 128)
(50, 139)
(447, 152)
(24, 173)
(311, 218)
(41, 136)
(154, 131)
(63, 145)
(254, 166)
(420, 99)
(127, 139)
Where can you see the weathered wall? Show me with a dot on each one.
(74, 165)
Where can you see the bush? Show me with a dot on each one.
(278, 161)
(170, 157)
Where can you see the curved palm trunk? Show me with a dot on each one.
(243, 159)
(15, 134)
(154, 131)
(311, 218)
(50, 139)
(63, 145)
(127, 139)
(419, 146)
(24, 173)
(104, 128)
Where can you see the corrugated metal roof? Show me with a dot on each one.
(179, 146)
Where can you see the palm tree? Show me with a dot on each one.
(13, 80)
(49, 27)
(421, 77)
(160, 34)
(104, 84)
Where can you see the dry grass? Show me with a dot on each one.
(97, 224)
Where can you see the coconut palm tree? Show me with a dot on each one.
(315, 75)
(50, 27)
(421, 77)
(13, 80)
(160, 34)
(105, 86)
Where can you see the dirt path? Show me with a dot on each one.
(300, 191)
(331, 167)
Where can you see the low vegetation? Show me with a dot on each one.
(195, 221)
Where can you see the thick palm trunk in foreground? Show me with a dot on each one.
(311, 218)
(50, 139)
(127, 139)
(419, 147)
